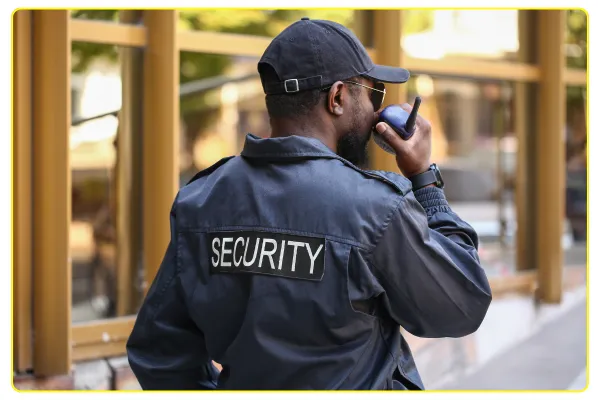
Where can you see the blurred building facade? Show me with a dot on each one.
(115, 110)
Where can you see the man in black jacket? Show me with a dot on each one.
(293, 267)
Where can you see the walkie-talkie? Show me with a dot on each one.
(400, 121)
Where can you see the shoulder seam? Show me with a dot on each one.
(209, 170)
(375, 175)
(386, 223)
(383, 178)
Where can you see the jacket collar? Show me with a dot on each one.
(301, 147)
(286, 147)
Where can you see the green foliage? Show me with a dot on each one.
(196, 66)
(269, 23)
(102, 15)
(577, 36)
(417, 21)
(83, 54)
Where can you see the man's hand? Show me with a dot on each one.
(412, 155)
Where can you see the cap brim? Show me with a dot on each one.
(387, 74)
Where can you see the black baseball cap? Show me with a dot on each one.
(313, 54)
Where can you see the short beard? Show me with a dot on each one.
(353, 145)
(353, 148)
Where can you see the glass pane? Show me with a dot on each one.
(475, 146)
(576, 153)
(97, 115)
(222, 100)
(466, 34)
(576, 40)
(256, 22)
(120, 16)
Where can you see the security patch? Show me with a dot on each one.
(268, 253)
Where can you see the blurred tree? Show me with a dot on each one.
(576, 55)
(197, 66)
(417, 21)
(84, 53)
(576, 39)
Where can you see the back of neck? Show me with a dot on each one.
(305, 128)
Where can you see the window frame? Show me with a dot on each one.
(22, 191)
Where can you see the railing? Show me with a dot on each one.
(185, 90)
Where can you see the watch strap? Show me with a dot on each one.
(423, 179)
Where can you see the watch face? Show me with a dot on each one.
(438, 176)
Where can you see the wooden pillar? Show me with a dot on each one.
(22, 179)
(362, 25)
(388, 49)
(161, 135)
(51, 192)
(550, 173)
(128, 173)
(525, 122)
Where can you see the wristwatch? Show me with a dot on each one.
(432, 176)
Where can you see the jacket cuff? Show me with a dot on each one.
(432, 199)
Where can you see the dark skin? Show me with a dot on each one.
(328, 123)
(344, 114)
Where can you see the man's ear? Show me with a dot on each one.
(336, 99)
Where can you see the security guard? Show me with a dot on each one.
(292, 266)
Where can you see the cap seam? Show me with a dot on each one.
(316, 53)
(354, 45)
(331, 72)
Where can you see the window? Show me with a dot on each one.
(475, 145)
(222, 101)
(117, 16)
(256, 22)
(103, 286)
(445, 34)
(576, 163)
(576, 39)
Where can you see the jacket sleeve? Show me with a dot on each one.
(426, 260)
(166, 350)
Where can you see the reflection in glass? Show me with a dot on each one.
(576, 40)
(576, 162)
(222, 100)
(255, 22)
(444, 34)
(475, 145)
(96, 101)
(120, 16)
